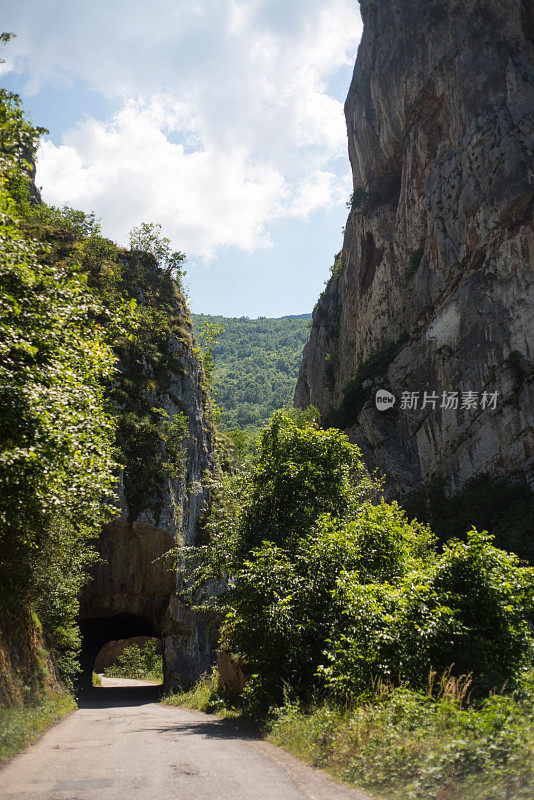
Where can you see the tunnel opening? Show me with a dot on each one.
(98, 632)
(137, 654)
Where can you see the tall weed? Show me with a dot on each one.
(410, 745)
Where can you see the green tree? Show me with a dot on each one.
(302, 473)
(330, 588)
(208, 338)
(56, 436)
(148, 238)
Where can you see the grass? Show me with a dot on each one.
(411, 746)
(22, 725)
(138, 674)
(208, 695)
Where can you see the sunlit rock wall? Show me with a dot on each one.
(438, 252)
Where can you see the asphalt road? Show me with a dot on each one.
(122, 744)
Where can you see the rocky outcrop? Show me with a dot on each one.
(433, 290)
(231, 673)
(164, 433)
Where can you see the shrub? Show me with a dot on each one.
(206, 695)
(331, 369)
(284, 605)
(414, 261)
(407, 745)
(466, 610)
(138, 662)
(355, 394)
(358, 197)
(337, 267)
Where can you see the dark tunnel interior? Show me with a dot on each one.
(97, 631)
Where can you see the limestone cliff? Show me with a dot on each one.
(433, 289)
(166, 442)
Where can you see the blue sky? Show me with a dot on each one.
(222, 120)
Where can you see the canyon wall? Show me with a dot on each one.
(433, 289)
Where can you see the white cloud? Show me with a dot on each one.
(129, 171)
(223, 119)
(317, 191)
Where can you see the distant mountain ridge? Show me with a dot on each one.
(256, 365)
(250, 319)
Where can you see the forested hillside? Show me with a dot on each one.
(256, 364)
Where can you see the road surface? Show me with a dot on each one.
(123, 745)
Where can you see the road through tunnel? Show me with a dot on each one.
(99, 631)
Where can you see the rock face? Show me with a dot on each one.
(134, 589)
(26, 667)
(433, 290)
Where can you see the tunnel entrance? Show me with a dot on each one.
(133, 591)
(98, 631)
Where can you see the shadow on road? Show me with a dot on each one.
(119, 696)
(211, 728)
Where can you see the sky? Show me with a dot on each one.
(221, 120)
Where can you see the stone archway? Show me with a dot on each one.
(98, 631)
(132, 592)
